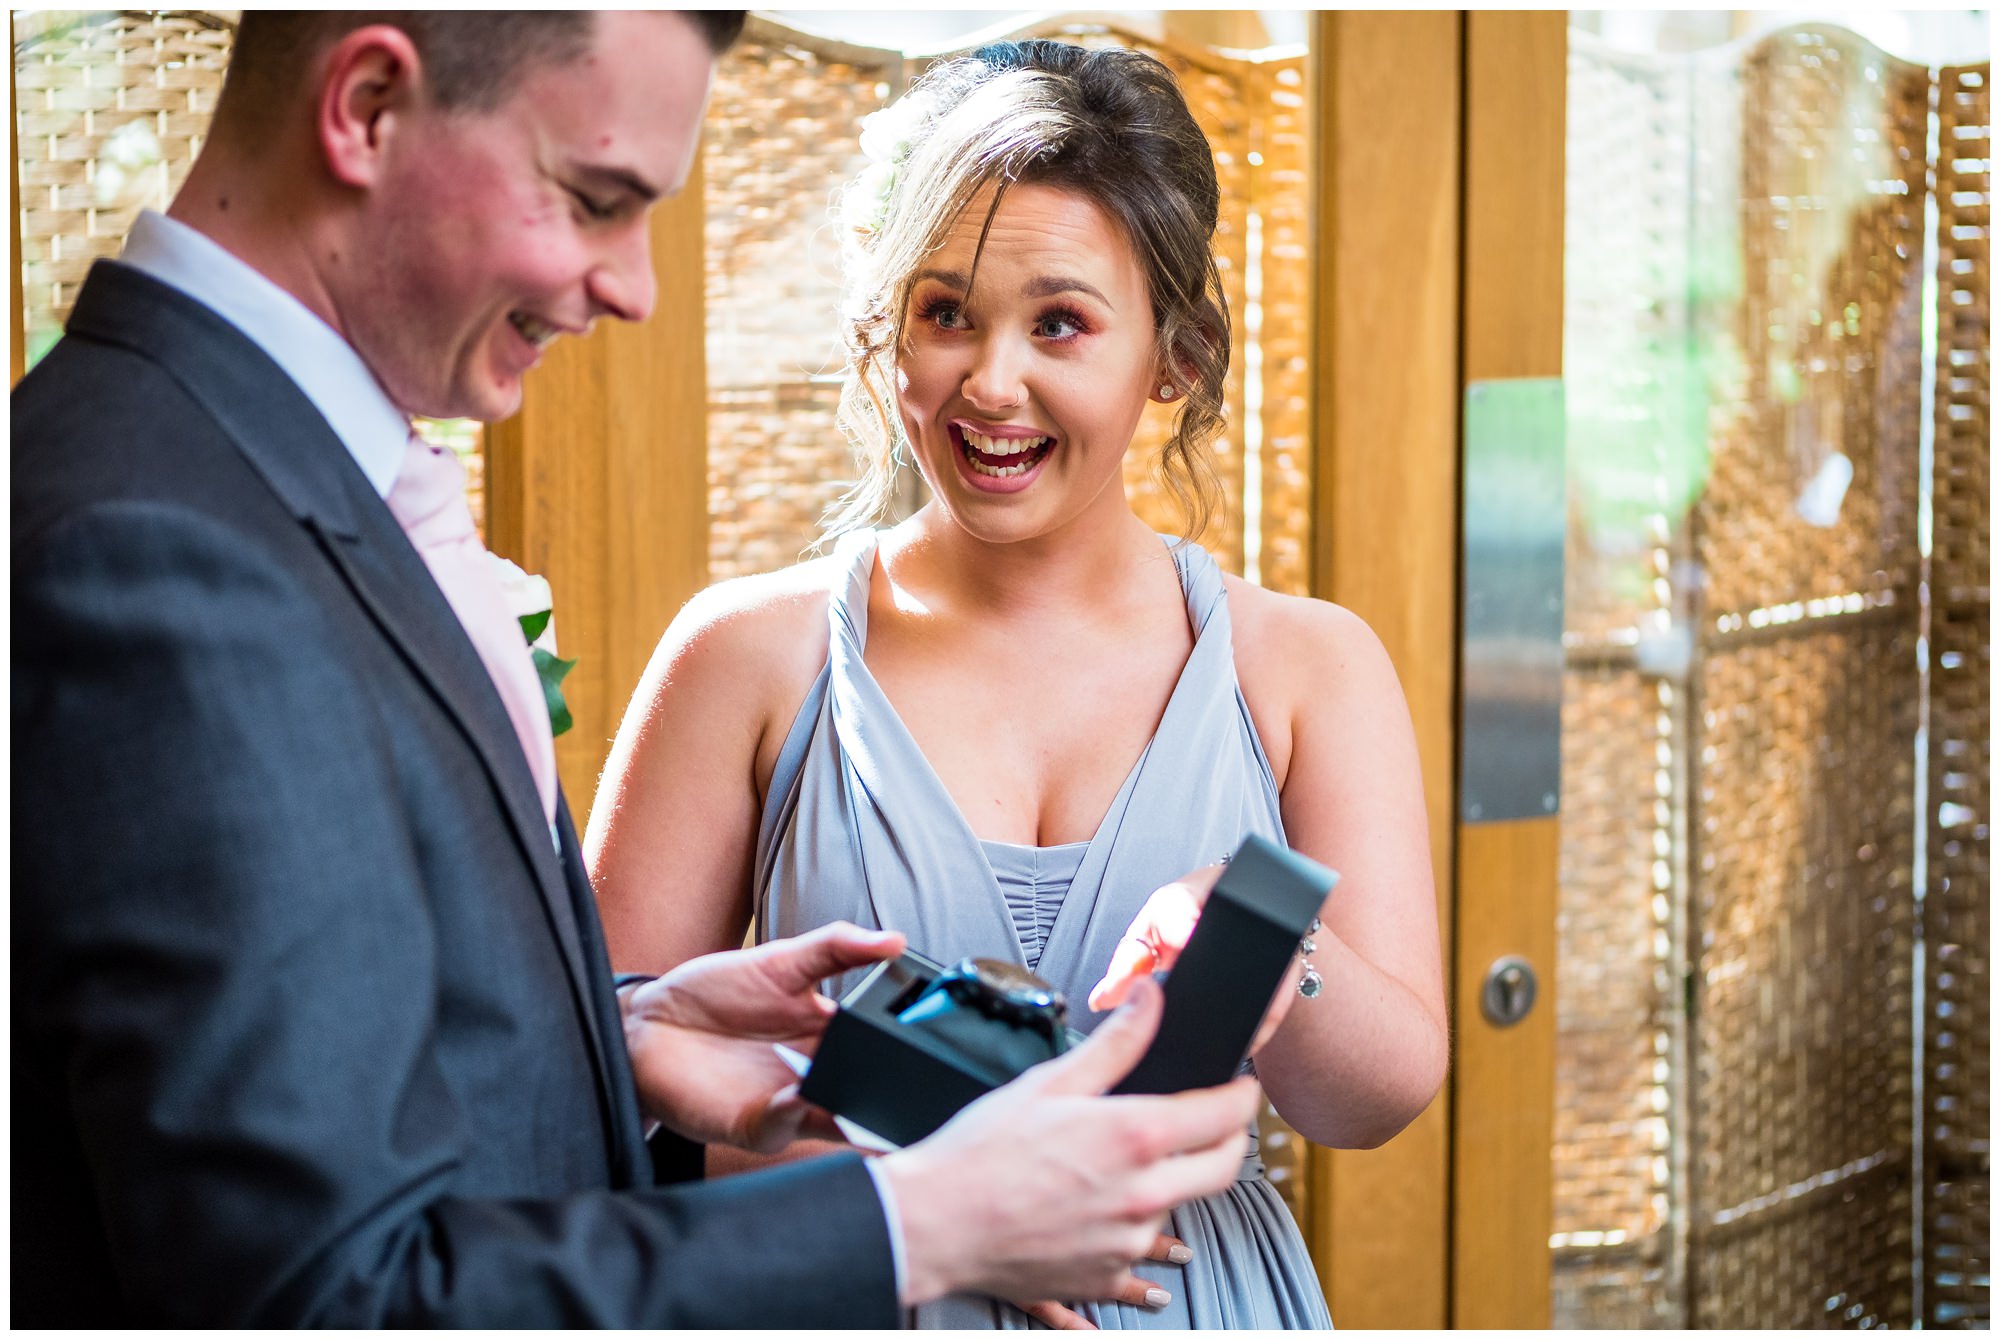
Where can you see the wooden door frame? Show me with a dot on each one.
(600, 483)
(1504, 1082)
(1386, 185)
(1438, 195)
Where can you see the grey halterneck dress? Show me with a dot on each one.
(857, 826)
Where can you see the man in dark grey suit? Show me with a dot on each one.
(312, 1020)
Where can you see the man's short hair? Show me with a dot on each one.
(472, 59)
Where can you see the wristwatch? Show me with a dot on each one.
(992, 1010)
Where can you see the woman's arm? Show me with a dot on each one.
(673, 831)
(1359, 1063)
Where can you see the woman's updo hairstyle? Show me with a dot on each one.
(1109, 125)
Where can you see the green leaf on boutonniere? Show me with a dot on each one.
(533, 624)
(551, 669)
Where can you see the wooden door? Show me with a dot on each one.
(1439, 191)
(1504, 1080)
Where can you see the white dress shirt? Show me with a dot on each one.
(309, 351)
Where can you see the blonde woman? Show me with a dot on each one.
(1004, 723)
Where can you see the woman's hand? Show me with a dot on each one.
(1156, 937)
(1166, 1248)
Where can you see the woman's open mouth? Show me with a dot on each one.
(1000, 458)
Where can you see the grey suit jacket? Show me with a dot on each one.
(310, 1022)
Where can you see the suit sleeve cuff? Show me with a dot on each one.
(893, 1219)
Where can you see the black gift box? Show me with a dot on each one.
(902, 1082)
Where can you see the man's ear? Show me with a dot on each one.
(369, 78)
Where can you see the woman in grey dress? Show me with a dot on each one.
(1020, 724)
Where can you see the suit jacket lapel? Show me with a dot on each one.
(291, 446)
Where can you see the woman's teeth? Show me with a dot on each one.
(1002, 457)
(537, 333)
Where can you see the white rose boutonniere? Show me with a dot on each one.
(530, 601)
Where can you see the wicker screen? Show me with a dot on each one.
(111, 108)
(1742, 934)
(782, 139)
(1636, 454)
(111, 111)
(1957, 928)
(780, 142)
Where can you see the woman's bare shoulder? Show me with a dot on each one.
(1298, 639)
(762, 632)
(1306, 667)
(770, 601)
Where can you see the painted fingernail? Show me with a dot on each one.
(1180, 1256)
(1158, 1298)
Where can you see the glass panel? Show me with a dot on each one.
(1751, 332)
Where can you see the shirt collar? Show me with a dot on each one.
(310, 352)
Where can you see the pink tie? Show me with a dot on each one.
(428, 499)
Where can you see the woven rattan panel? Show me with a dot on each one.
(781, 139)
(1807, 706)
(1830, 331)
(1801, 1144)
(1956, 917)
(1636, 458)
(1612, 1254)
(1279, 158)
(112, 109)
(1745, 366)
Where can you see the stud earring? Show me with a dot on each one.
(1167, 392)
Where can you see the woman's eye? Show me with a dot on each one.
(945, 316)
(1055, 328)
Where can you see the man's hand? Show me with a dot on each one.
(701, 1036)
(1048, 1189)
(1154, 940)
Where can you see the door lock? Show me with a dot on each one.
(1508, 992)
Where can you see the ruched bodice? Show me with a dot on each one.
(1034, 882)
(858, 826)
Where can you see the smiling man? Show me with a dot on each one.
(311, 1016)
